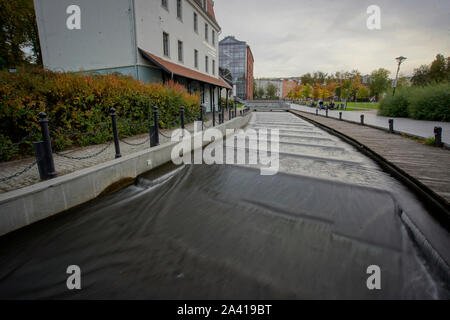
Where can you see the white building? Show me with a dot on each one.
(151, 40)
(264, 83)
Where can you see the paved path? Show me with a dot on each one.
(420, 128)
(427, 164)
(64, 165)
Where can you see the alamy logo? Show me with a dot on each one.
(374, 20)
(74, 280)
(374, 280)
(263, 148)
(73, 22)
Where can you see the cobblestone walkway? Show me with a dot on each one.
(65, 165)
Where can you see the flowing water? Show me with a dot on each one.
(228, 232)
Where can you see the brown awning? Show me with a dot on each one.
(183, 71)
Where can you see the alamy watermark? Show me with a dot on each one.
(263, 148)
(374, 20)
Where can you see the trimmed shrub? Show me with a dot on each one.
(431, 102)
(78, 105)
(395, 106)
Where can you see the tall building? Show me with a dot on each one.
(151, 40)
(236, 57)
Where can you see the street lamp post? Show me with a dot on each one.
(399, 61)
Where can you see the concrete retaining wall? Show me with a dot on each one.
(25, 206)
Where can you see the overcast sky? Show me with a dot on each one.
(292, 37)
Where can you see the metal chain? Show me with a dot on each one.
(135, 144)
(165, 135)
(21, 141)
(86, 157)
(27, 168)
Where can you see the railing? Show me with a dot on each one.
(44, 155)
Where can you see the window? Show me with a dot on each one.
(166, 44)
(214, 67)
(206, 31)
(179, 10)
(206, 64)
(195, 22)
(204, 4)
(196, 58)
(164, 4)
(213, 38)
(180, 51)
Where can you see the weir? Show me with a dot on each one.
(227, 232)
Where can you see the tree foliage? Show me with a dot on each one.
(18, 30)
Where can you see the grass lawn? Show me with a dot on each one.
(352, 106)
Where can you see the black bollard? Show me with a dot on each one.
(235, 109)
(213, 115)
(326, 112)
(362, 119)
(115, 133)
(317, 112)
(47, 160)
(182, 117)
(391, 125)
(340, 115)
(438, 137)
(202, 110)
(156, 124)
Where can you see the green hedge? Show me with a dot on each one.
(78, 107)
(431, 102)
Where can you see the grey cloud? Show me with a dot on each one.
(291, 37)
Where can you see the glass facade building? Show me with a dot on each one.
(233, 56)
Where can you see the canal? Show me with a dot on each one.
(227, 232)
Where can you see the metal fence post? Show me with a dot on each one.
(115, 133)
(438, 136)
(202, 107)
(182, 117)
(362, 119)
(223, 113)
(340, 115)
(156, 124)
(235, 109)
(326, 112)
(317, 112)
(391, 125)
(47, 147)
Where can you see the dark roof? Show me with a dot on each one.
(176, 69)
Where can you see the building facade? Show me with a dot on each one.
(236, 57)
(264, 83)
(288, 85)
(151, 40)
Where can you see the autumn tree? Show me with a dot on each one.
(18, 30)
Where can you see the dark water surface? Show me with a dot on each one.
(226, 232)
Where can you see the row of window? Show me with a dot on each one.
(166, 50)
(164, 4)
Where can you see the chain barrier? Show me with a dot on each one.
(19, 173)
(14, 145)
(162, 133)
(86, 157)
(136, 144)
